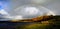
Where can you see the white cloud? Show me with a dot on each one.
(31, 10)
(18, 17)
(3, 12)
(51, 13)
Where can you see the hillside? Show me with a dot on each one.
(53, 23)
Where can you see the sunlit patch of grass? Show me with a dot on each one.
(33, 26)
(36, 26)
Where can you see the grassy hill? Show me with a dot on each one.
(49, 24)
(53, 23)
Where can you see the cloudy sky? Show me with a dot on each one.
(18, 7)
(53, 5)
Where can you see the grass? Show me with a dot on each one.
(50, 24)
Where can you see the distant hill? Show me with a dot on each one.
(38, 19)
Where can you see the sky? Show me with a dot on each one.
(53, 5)
(18, 7)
